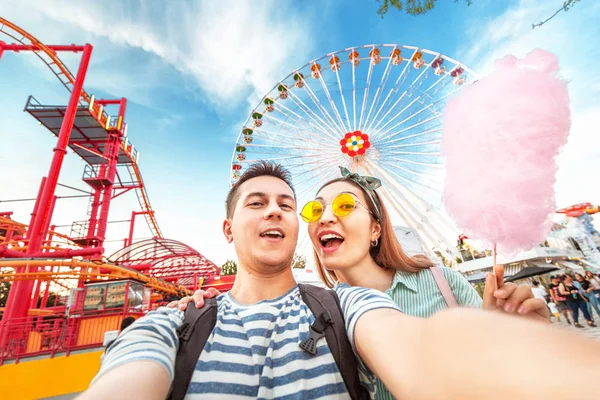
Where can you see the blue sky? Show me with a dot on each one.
(192, 71)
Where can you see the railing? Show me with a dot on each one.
(51, 335)
(79, 229)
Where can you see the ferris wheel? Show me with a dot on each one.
(374, 109)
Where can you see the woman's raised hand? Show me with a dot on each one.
(512, 299)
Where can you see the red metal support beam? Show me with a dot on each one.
(131, 225)
(22, 47)
(20, 292)
(2, 44)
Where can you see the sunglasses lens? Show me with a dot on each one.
(343, 204)
(312, 211)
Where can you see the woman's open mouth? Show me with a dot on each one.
(330, 242)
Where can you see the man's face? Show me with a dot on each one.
(264, 226)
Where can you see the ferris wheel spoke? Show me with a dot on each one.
(331, 102)
(395, 89)
(313, 124)
(376, 131)
(272, 137)
(321, 162)
(337, 75)
(325, 176)
(379, 90)
(418, 183)
(422, 174)
(416, 144)
(410, 221)
(400, 197)
(388, 141)
(252, 145)
(298, 130)
(328, 128)
(291, 157)
(311, 94)
(411, 116)
(398, 160)
(354, 97)
(366, 95)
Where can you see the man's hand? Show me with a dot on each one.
(197, 298)
(512, 299)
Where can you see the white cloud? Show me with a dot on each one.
(231, 50)
(572, 36)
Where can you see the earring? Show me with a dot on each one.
(374, 243)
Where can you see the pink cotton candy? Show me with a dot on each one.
(500, 140)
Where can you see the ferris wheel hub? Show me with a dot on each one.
(355, 143)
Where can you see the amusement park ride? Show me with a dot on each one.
(36, 259)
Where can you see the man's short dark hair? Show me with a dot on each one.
(126, 322)
(259, 168)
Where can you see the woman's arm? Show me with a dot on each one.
(463, 354)
(563, 290)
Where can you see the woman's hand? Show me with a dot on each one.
(512, 299)
(197, 298)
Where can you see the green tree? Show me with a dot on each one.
(419, 7)
(568, 4)
(411, 7)
(299, 261)
(229, 268)
(4, 289)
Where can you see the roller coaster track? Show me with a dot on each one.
(49, 57)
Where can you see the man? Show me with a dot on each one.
(253, 350)
(559, 300)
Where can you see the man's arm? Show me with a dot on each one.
(141, 362)
(136, 380)
(462, 353)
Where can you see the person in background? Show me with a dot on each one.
(559, 300)
(575, 300)
(588, 291)
(124, 325)
(554, 310)
(539, 292)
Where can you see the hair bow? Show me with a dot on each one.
(368, 184)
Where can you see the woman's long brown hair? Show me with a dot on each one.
(388, 253)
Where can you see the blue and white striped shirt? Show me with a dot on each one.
(253, 351)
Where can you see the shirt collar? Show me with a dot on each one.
(407, 279)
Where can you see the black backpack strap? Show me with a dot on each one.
(193, 334)
(329, 322)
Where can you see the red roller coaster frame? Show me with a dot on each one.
(39, 229)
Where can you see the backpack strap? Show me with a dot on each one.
(443, 286)
(193, 334)
(329, 323)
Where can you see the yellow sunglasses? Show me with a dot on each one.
(342, 205)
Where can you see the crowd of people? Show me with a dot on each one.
(570, 294)
(409, 328)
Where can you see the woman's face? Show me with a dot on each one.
(341, 242)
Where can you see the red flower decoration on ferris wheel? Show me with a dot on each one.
(355, 143)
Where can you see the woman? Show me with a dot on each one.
(575, 301)
(588, 292)
(353, 238)
(368, 254)
(594, 282)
